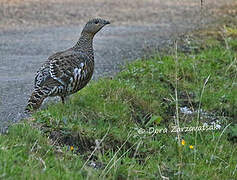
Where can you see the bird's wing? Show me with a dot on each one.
(43, 76)
(67, 66)
(63, 69)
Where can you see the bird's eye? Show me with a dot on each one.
(96, 22)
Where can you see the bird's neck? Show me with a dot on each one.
(85, 44)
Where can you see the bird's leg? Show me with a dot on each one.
(64, 99)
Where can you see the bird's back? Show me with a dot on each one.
(65, 72)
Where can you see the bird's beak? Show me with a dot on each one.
(106, 22)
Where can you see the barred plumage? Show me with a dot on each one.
(67, 72)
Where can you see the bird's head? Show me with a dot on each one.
(94, 25)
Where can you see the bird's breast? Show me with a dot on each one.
(81, 76)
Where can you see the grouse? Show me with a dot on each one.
(66, 72)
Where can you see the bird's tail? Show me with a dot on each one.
(36, 99)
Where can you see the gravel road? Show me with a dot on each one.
(30, 31)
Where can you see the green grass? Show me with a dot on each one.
(101, 123)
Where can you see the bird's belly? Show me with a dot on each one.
(79, 81)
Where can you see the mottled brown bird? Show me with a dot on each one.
(67, 72)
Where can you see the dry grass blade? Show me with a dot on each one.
(96, 147)
(130, 134)
(218, 143)
(118, 160)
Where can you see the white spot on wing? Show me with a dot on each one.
(71, 80)
(76, 71)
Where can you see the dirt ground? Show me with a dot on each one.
(31, 30)
(38, 13)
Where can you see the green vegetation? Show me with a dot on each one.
(104, 130)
